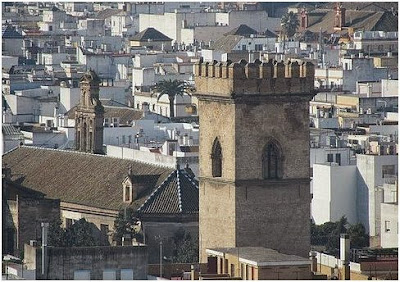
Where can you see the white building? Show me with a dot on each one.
(352, 69)
(375, 41)
(372, 170)
(334, 190)
(322, 155)
(124, 25)
(176, 25)
(91, 27)
(389, 215)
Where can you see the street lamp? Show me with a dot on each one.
(161, 251)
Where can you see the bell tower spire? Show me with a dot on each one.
(89, 116)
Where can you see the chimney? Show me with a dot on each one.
(6, 172)
(345, 254)
(314, 264)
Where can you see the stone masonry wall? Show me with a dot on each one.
(245, 105)
(216, 200)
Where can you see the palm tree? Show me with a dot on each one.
(172, 88)
(289, 24)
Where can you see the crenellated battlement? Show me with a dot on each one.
(238, 78)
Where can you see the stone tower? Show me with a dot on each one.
(254, 155)
(89, 116)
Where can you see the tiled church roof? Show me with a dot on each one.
(80, 178)
(150, 34)
(178, 194)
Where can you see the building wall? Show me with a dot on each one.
(390, 87)
(287, 272)
(12, 46)
(334, 193)
(154, 230)
(320, 155)
(389, 225)
(266, 211)
(8, 61)
(369, 176)
(257, 20)
(216, 199)
(31, 213)
(63, 262)
(168, 24)
(244, 116)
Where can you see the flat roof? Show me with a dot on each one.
(260, 256)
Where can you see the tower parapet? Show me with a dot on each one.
(229, 79)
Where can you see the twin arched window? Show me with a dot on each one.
(272, 161)
(216, 159)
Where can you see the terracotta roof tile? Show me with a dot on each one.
(80, 178)
(178, 194)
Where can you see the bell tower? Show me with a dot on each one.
(89, 116)
(254, 155)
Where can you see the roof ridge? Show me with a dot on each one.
(90, 154)
(155, 191)
(191, 180)
(11, 150)
(179, 191)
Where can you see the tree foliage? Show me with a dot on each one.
(328, 235)
(126, 223)
(289, 23)
(186, 248)
(56, 235)
(172, 88)
(79, 234)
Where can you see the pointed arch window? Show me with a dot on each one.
(272, 161)
(216, 159)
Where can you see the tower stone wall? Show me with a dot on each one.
(246, 106)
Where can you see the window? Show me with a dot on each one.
(338, 159)
(154, 107)
(387, 226)
(258, 47)
(68, 222)
(329, 158)
(387, 170)
(127, 193)
(244, 47)
(216, 159)
(109, 274)
(104, 229)
(82, 275)
(126, 274)
(271, 161)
